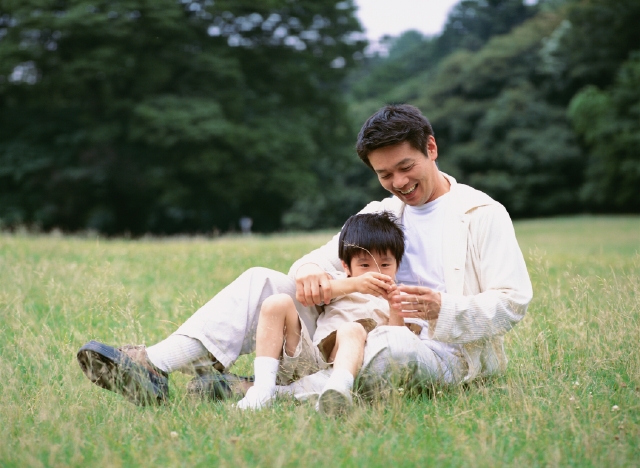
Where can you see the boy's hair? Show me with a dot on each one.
(375, 232)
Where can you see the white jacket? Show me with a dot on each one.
(488, 286)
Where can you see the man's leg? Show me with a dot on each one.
(225, 327)
(227, 324)
(347, 358)
(395, 357)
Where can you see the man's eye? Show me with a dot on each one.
(386, 176)
(405, 169)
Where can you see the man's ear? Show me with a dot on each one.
(346, 268)
(432, 148)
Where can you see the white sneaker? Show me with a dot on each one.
(334, 401)
(257, 398)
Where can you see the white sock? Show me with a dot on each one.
(265, 370)
(178, 352)
(264, 387)
(341, 379)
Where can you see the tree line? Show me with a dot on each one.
(171, 116)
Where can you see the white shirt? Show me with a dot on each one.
(423, 228)
(422, 261)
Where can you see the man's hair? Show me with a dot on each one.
(392, 125)
(375, 232)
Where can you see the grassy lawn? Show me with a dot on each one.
(570, 397)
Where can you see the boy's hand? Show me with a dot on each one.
(394, 308)
(373, 283)
(312, 285)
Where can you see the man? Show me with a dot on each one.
(464, 281)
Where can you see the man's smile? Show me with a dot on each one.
(408, 191)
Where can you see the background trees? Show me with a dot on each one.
(526, 104)
(180, 115)
(169, 115)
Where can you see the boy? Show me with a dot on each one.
(371, 247)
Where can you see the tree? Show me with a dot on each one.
(609, 122)
(591, 45)
(166, 115)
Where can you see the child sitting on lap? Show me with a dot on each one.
(371, 248)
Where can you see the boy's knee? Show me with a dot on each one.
(277, 302)
(352, 330)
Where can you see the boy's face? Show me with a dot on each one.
(384, 263)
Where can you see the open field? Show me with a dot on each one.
(571, 395)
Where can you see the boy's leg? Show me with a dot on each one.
(279, 323)
(348, 351)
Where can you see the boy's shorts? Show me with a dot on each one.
(309, 358)
(306, 359)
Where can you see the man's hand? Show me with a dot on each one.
(374, 283)
(416, 302)
(312, 285)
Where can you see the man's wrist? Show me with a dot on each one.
(304, 265)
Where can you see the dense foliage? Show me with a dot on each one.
(499, 101)
(170, 115)
(180, 115)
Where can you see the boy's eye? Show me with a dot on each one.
(405, 169)
(386, 176)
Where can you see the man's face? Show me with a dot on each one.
(408, 174)
(376, 262)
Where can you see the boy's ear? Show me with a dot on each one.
(346, 267)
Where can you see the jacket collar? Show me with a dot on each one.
(463, 198)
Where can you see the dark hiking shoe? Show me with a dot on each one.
(126, 370)
(216, 386)
(334, 402)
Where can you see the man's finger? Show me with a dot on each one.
(300, 294)
(315, 292)
(416, 290)
(325, 284)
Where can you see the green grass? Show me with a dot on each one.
(573, 358)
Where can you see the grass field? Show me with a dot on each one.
(570, 397)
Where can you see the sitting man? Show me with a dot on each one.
(463, 279)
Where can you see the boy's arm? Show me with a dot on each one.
(394, 318)
(372, 283)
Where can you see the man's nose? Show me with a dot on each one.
(399, 181)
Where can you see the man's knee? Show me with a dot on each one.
(260, 273)
(396, 344)
(391, 354)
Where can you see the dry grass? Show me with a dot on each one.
(574, 360)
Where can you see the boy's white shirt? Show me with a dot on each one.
(487, 284)
(349, 308)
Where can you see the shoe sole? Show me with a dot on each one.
(113, 370)
(333, 403)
